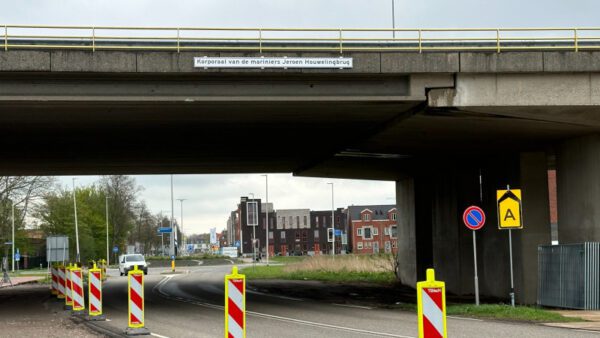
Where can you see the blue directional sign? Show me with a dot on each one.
(18, 255)
(237, 244)
(338, 232)
(165, 230)
(190, 247)
(115, 249)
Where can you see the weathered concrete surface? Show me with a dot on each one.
(364, 62)
(578, 186)
(513, 62)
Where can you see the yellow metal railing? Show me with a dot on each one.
(298, 39)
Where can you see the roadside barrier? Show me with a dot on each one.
(77, 289)
(68, 288)
(95, 294)
(235, 304)
(61, 282)
(431, 304)
(53, 273)
(135, 281)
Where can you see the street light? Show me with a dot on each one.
(107, 246)
(332, 224)
(182, 233)
(172, 230)
(393, 20)
(253, 234)
(267, 217)
(75, 212)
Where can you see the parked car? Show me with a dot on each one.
(127, 263)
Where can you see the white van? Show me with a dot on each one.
(127, 262)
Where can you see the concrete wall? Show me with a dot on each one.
(364, 62)
(578, 187)
(432, 233)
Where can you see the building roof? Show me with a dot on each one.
(380, 212)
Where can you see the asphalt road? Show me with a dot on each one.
(190, 305)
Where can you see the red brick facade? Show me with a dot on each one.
(372, 234)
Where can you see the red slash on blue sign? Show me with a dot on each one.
(474, 218)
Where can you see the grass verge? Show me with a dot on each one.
(279, 272)
(507, 312)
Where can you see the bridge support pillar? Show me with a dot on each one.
(431, 233)
(578, 186)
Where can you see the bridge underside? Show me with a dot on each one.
(434, 134)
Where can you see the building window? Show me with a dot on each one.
(282, 235)
(375, 232)
(337, 219)
(394, 216)
(366, 217)
(316, 234)
(291, 221)
(359, 232)
(359, 245)
(304, 234)
(317, 221)
(367, 233)
(298, 220)
(368, 244)
(297, 235)
(270, 234)
(283, 221)
(394, 231)
(305, 220)
(386, 231)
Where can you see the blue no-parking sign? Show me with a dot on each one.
(474, 218)
(116, 249)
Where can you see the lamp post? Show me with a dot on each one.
(393, 20)
(76, 228)
(107, 244)
(172, 230)
(332, 223)
(267, 218)
(182, 233)
(13, 236)
(253, 235)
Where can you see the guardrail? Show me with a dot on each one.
(298, 39)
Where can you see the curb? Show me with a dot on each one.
(93, 326)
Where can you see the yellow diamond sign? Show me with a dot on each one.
(510, 213)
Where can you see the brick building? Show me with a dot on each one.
(374, 228)
(321, 221)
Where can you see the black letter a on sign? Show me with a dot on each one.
(508, 215)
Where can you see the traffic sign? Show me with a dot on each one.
(17, 257)
(510, 213)
(190, 247)
(165, 230)
(338, 232)
(237, 244)
(474, 217)
(115, 249)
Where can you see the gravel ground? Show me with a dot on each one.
(30, 311)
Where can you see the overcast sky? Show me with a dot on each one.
(211, 197)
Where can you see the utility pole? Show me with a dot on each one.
(76, 228)
(267, 218)
(332, 224)
(182, 233)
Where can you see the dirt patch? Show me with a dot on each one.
(30, 311)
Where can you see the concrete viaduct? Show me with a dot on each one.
(432, 122)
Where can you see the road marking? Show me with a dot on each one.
(158, 288)
(276, 296)
(353, 306)
(584, 330)
(465, 318)
(157, 335)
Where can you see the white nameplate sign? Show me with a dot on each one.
(272, 62)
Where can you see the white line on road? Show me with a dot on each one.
(465, 318)
(157, 335)
(353, 306)
(276, 296)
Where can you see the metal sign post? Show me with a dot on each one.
(510, 216)
(474, 219)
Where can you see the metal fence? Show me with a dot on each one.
(298, 39)
(569, 275)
